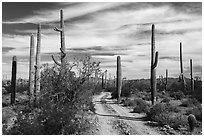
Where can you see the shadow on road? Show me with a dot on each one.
(105, 102)
(123, 117)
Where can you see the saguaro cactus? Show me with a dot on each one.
(119, 77)
(62, 37)
(154, 61)
(13, 80)
(166, 82)
(31, 70)
(102, 82)
(182, 78)
(191, 70)
(37, 66)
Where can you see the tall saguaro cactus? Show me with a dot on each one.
(119, 77)
(191, 70)
(13, 80)
(181, 66)
(62, 38)
(37, 66)
(154, 61)
(31, 70)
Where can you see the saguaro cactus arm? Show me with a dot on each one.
(59, 64)
(57, 29)
(63, 53)
(156, 60)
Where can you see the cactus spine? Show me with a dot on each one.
(119, 77)
(154, 61)
(191, 70)
(62, 37)
(166, 82)
(37, 66)
(13, 80)
(181, 65)
(31, 70)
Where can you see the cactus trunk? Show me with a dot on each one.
(166, 80)
(154, 61)
(191, 70)
(62, 39)
(13, 80)
(31, 70)
(181, 65)
(102, 81)
(37, 67)
(119, 78)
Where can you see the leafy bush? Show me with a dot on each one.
(165, 113)
(63, 103)
(189, 102)
(166, 100)
(141, 106)
(177, 95)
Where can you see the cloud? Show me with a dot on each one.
(105, 30)
(6, 49)
(170, 58)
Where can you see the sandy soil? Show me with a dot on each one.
(113, 119)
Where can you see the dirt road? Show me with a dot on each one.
(113, 119)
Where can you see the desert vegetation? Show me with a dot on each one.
(57, 98)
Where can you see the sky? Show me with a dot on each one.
(104, 30)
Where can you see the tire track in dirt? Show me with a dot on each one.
(115, 119)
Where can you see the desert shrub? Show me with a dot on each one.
(114, 94)
(141, 106)
(161, 112)
(177, 95)
(22, 87)
(141, 94)
(167, 114)
(189, 102)
(197, 111)
(63, 103)
(129, 102)
(166, 100)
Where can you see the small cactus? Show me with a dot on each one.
(166, 82)
(13, 80)
(191, 70)
(192, 122)
(119, 77)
